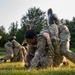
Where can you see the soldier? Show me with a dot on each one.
(28, 27)
(64, 35)
(51, 34)
(24, 43)
(9, 50)
(19, 51)
(14, 51)
(38, 52)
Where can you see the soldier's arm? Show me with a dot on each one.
(39, 52)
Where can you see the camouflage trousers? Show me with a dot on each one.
(58, 57)
(8, 56)
(66, 52)
(44, 62)
(19, 56)
(55, 59)
(9, 53)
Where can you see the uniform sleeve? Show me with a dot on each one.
(41, 44)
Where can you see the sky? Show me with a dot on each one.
(13, 10)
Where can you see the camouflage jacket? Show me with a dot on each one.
(39, 50)
(64, 33)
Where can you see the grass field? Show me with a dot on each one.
(17, 68)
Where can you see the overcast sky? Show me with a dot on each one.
(13, 10)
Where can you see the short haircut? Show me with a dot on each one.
(30, 34)
(10, 38)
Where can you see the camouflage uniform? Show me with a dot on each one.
(54, 51)
(64, 36)
(56, 45)
(40, 54)
(9, 51)
(19, 51)
(29, 55)
(53, 32)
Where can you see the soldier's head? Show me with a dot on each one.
(28, 27)
(31, 37)
(10, 38)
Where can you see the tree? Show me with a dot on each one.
(13, 28)
(35, 17)
(72, 30)
(4, 35)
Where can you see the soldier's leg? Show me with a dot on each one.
(15, 58)
(58, 58)
(22, 53)
(45, 62)
(66, 52)
(9, 53)
(6, 57)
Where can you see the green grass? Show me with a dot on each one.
(17, 68)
